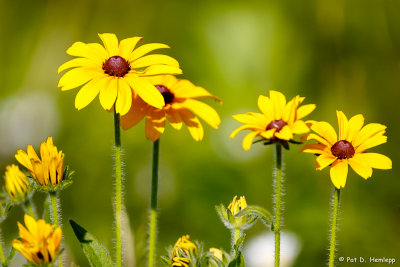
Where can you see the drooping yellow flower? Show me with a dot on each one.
(114, 71)
(237, 205)
(185, 245)
(39, 243)
(348, 148)
(180, 107)
(180, 262)
(47, 170)
(17, 184)
(278, 121)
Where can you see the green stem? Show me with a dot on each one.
(28, 206)
(153, 204)
(2, 258)
(334, 227)
(56, 220)
(118, 190)
(278, 208)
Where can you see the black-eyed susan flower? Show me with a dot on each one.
(181, 106)
(47, 170)
(114, 71)
(279, 120)
(39, 242)
(349, 148)
(237, 205)
(16, 183)
(185, 245)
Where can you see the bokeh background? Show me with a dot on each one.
(340, 54)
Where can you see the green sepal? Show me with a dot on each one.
(65, 182)
(96, 254)
(224, 215)
(11, 255)
(239, 243)
(259, 213)
(5, 207)
(211, 260)
(238, 261)
(166, 260)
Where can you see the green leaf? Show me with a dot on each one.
(238, 261)
(46, 209)
(96, 254)
(10, 256)
(238, 245)
(261, 214)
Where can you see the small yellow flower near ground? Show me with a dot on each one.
(115, 71)
(217, 253)
(17, 184)
(278, 121)
(47, 170)
(185, 245)
(180, 107)
(237, 205)
(39, 242)
(180, 262)
(348, 148)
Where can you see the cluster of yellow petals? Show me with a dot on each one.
(38, 243)
(358, 137)
(276, 110)
(16, 183)
(49, 169)
(180, 262)
(217, 253)
(132, 64)
(237, 205)
(181, 108)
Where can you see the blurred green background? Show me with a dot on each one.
(339, 54)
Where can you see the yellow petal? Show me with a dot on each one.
(288, 113)
(248, 140)
(148, 92)
(355, 124)
(193, 124)
(109, 93)
(325, 130)
(371, 142)
(78, 62)
(360, 166)
(174, 118)
(285, 133)
(110, 42)
(124, 98)
(314, 148)
(89, 91)
(135, 114)
(343, 125)
(305, 110)
(338, 173)
(245, 127)
(90, 51)
(144, 49)
(268, 134)
(155, 125)
(160, 70)
(376, 160)
(252, 118)
(300, 127)
(186, 89)
(127, 45)
(23, 159)
(204, 111)
(154, 60)
(324, 160)
(315, 137)
(76, 77)
(266, 107)
(278, 102)
(367, 132)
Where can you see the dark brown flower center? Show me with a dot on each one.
(116, 66)
(343, 149)
(278, 125)
(166, 93)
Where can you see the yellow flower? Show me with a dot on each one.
(17, 184)
(185, 245)
(237, 205)
(180, 262)
(114, 71)
(180, 107)
(278, 121)
(217, 253)
(348, 148)
(38, 242)
(47, 170)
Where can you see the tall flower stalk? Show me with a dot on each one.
(118, 190)
(277, 124)
(335, 211)
(153, 204)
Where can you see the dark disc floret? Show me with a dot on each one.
(343, 149)
(278, 125)
(116, 66)
(166, 93)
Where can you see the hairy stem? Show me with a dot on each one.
(332, 247)
(278, 208)
(153, 204)
(118, 190)
(55, 216)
